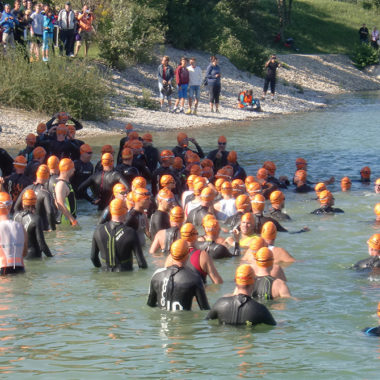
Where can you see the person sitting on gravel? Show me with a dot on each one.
(165, 74)
(247, 102)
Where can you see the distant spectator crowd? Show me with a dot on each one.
(364, 36)
(37, 28)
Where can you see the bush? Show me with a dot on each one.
(73, 86)
(129, 31)
(365, 55)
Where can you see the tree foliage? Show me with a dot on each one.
(284, 8)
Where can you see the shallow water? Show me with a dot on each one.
(66, 319)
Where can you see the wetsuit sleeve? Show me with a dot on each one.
(95, 251)
(213, 313)
(279, 227)
(201, 297)
(41, 239)
(49, 123)
(50, 212)
(154, 183)
(122, 180)
(266, 317)
(200, 150)
(78, 125)
(152, 297)
(105, 216)
(139, 253)
(84, 186)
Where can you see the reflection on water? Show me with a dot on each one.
(66, 319)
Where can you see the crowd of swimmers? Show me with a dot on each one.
(193, 208)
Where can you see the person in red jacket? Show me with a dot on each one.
(182, 78)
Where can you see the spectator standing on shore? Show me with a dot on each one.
(18, 14)
(86, 30)
(8, 22)
(48, 34)
(66, 23)
(195, 80)
(182, 78)
(363, 34)
(165, 74)
(213, 83)
(36, 33)
(270, 77)
(375, 38)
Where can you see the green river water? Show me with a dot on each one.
(66, 319)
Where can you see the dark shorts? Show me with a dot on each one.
(37, 38)
(11, 270)
(214, 92)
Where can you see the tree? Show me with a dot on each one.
(284, 8)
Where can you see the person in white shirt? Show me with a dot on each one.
(36, 32)
(195, 80)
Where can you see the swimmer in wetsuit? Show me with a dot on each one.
(160, 218)
(373, 331)
(13, 240)
(173, 288)
(326, 200)
(39, 155)
(345, 184)
(243, 205)
(241, 309)
(119, 192)
(365, 175)
(33, 226)
(164, 238)
(245, 231)
(282, 182)
(277, 200)
(373, 261)
(84, 169)
(206, 207)
(126, 168)
(116, 242)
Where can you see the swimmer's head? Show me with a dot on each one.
(218, 184)
(301, 163)
(377, 186)
(5, 203)
(42, 173)
(198, 187)
(118, 208)
(300, 176)
(257, 242)
(326, 198)
(182, 139)
(244, 275)
(232, 157)
(20, 162)
(31, 139)
(177, 163)
(207, 196)
(374, 245)
(345, 184)
(249, 179)
(65, 165)
(126, 154)
(138, 182)
(147, 138)
(207, 218)
(141, 194)
(211, 227)
(179, 250)
(133, 135)
(107, 159)
(129, 128)
(129, 201)
(277, 198)
(167, 157)
(377, 210)
(262, 174)
(269, 231)
(321, 186)
(365, 173)
(242, 203)
(29, 198)
(271, 167)
(196, 169)
(253, 188)
(258, 203)
(264, 257)
(206, 162)
(41, 128)
(165, 199)
(238, 187)
(226, 188)
(177, 215)
(39, 153)
(107, 149)
(189, 232)
(207, 172)
(119, 191)
(167, 181)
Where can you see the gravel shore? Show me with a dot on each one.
(302, 85)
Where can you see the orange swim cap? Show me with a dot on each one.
(262, 173)
(206, 218)
(321, 186)
(325, 197)
(253, 188)
(5, 203)
(31, 138)
(107, 149)
(119, 188)
(257, 242)
(126, 154)
(71, 129)
(179, 250)
(133, 136)
(193, 159)
(365, 172)
(43, 172)
(377, 182)
(207, 172)
(166, 154)
(211, 225)
(196, 170)
(189, 232)
(238, 187)
(107, 159)
(377, 209)
(20, 162)
(249, 180)
(147, 137)
(39, 152)
(226, 188)
(207, 194)
(222, 173)
(166, 180)
(232, 157)
(244, 275)
(129, 201)
(378, 309)
(206, 162)
(29, 198)
(177, 215)
(300, 175)
(269, 231)
(301, 163)
(258, 202)
(129, 127)
(270, 166)
(248, 217)
(135, 145)
(181, 137)
(118, 207)
(374, 241)
(264, 257)
(61, 130)
(242, 202)
(41, 128)
(345, 184)
(166, 195)
(198, 187)
(177, 163)
(65, 165)
(218, 184)
(276, 197)
(140, 194)
(85, 148)
(222, 139)
(190, 181)
(138, 182)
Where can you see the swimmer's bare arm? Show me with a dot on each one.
(61, 192)
(2, 184)
(282, 255)
(158, 242)
(280, 289)
(139, 253)
(207, 264)
(278, 272)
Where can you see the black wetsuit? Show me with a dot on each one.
(50, 124)
(83, 171)
(158, 173)
(327, 210)
(141, 164)
(102, 184)
(133, 219)
(180, 151)
(368, 263)
(218, 162)
(215, 250)
(44, 207)
(275, 181)
(159, 221)
(6, 163)
(373, 331)
(63, 149)
(76, 144)
(174, 288)
(152, 156)
(240, 310)
(188, 199)
(171, 235)
(31, 169)
(50, 184)
(116, 241)
(15, 184)
(234, 220)
(27, 153)
(262, 289)
(279, 215)
(128, 172)
(239, 172)
(305, 188)
(98, 166)
(196, 215)
(260, 220)
(36, 240)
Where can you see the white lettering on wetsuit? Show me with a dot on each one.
(170, 306)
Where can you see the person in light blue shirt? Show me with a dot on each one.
(8, 22)
(47, 34)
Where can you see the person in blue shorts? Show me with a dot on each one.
(182, 78)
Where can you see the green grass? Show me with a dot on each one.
(318, 26)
